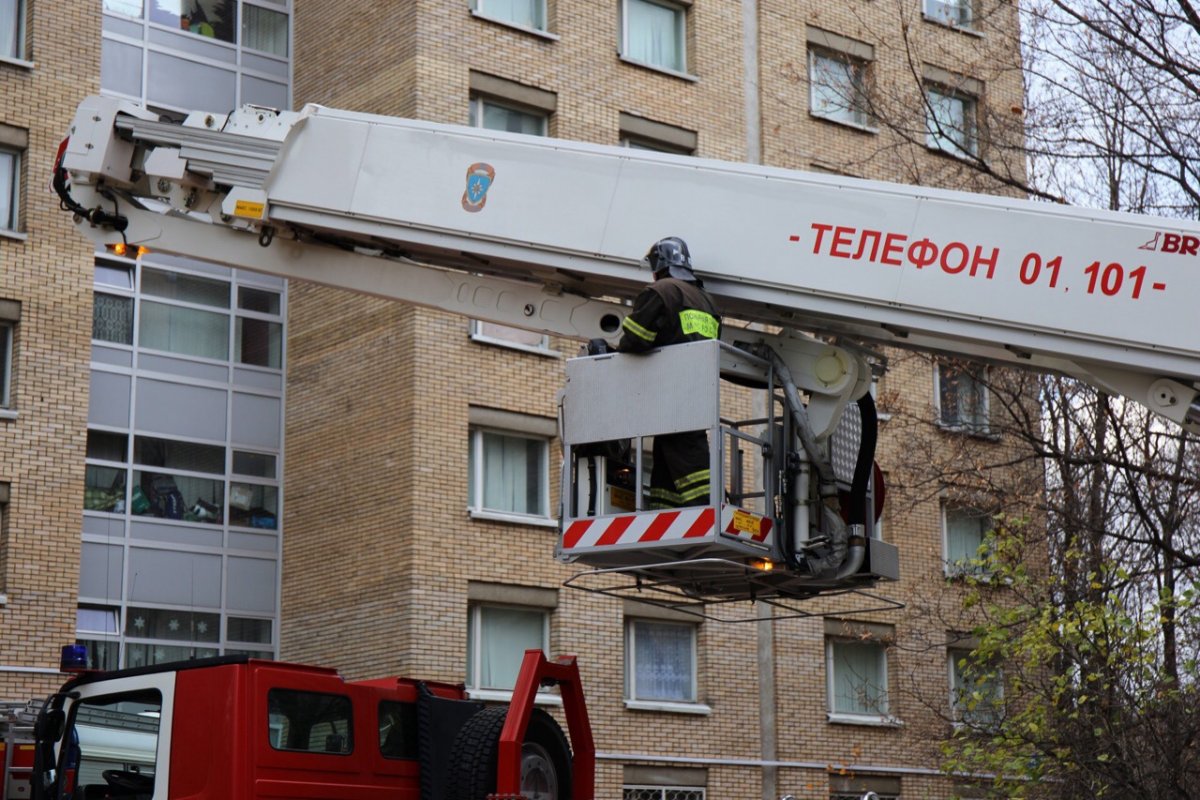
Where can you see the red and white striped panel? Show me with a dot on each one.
(646, 527)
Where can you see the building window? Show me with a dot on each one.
(856, 787)
(497, 638)
(10, 188)
(258, 337)
(265, 30)
(976, 690)
(6, 350)
(662, 793)
(967, 532)
(508, 473)
(962, 397)
(838, 87)
(951, 122)
(640, 133)
(857, 679)
(12, 29)
(523, 13)
(660, 661)
(955, 13)
(655, 33)
(496, 115)
(506, 336)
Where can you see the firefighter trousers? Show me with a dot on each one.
(680, 475)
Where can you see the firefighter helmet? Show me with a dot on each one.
(670, 257)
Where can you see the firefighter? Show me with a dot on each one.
(673, 310)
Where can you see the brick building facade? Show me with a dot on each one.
(389, 552)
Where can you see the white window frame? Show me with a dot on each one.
(955, 569)
(477, 334)
(476, 509)
(654, 792)
(940, 11)
(475, 634)
(690, 705)
(7, 334)
(17, 56)
(681, 11)
(14, 194)
(935, 139)
(480, 9)
(478, 101)
(883, 717)
(960, 714)
(978, 376)
(859, 116)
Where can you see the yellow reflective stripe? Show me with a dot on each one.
(700, 322)
(664, 494)
(698, 475)
(637, 330)
(692, 494)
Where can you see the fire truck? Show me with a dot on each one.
(547, 235)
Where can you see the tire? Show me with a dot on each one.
(545, 757)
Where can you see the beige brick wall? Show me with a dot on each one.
(380, 547)
(49, 273)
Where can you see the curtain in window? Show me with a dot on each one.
(949, 123)
(186, 331)
(505, 634)
(264, 29)
(833, 90)
(858, 679)
(518, 12)
(513, 469)
(652, 34)
(8, 173)
(964, 534)
(663, 662)
(501, 118)
(962, 398)
(112, 319)
(10, 22)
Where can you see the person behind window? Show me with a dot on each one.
(674, 309)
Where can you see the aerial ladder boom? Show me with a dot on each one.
(548, 235)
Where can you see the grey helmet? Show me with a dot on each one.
(670, 257)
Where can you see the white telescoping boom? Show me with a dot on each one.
(548, 235)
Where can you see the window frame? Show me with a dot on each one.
(882, 717)
(19, 51)
(931, 10)
(681, 11)
(479, 9)
(475, 648)
(934, 130)
(7, 336)
(690, 705)
(476, 334)
(478, 100)
(663, 792)
(14, 193)
(860, 79)
(962, 569)
(985, 719)
(978, 375)
(475, 489)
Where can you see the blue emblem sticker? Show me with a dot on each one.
(479, 180)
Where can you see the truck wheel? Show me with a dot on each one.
(545, 757)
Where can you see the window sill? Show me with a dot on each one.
(661, 70)
(702, 709)
(538, 32)
(866, 720)
(517, 519)
(952, 26)
(17, 62)
(505, 696)
(507, 345)
(968, 430)
(8, 414)
(856, 126)
(14, 235)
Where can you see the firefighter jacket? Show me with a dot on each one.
(669, 311)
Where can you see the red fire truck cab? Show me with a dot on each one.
(234, 727)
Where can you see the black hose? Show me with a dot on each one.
(96, 216)
(864, 467)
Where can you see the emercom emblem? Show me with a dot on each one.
(479, 180)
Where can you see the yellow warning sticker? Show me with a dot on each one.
(620, 498)
(745, 522)
(249, 209)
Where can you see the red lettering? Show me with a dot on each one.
(893, 244)
(841, 237)
(922, 253)
(1171, 242)
(978, 260)
(820, 229)
(957, 247)
(862, 245)
(1188, 248)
